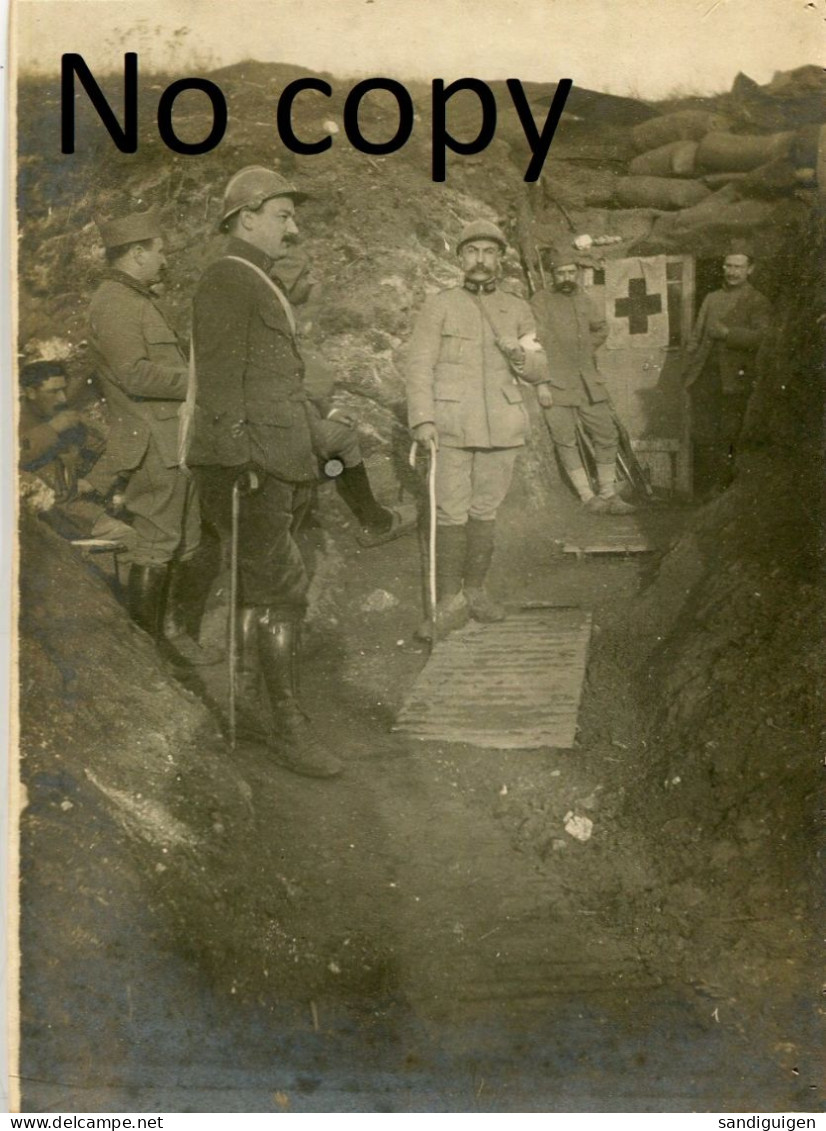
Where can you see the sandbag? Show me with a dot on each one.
(659, 192)
(654, 163)
(775, 178)
(717, 180)
(732, 153)
(675, 159)
(683, 158)
(682, 125)
(707, 229)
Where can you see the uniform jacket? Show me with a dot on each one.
(251, 404)
(571, 328)
(457, 376)
(40, 443)
(746, 313)
(142, 370)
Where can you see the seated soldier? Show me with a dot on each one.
(60, 449)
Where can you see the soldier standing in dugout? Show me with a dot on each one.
(253, 423)
(143, 374)
(571, 329)
(469, 348)
(721, 367)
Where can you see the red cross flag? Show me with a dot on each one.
(636, 303)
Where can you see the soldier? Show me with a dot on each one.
(720, 368)
(571, 328)
(470, 346)
(54, 440)
(143, 374)
(253, 425)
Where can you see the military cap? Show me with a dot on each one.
(558, 258)
(130, 229)
(251, 186)
(741, 247)
(481, 230)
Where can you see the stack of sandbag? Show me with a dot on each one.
(685, 156)
(662, 175)
(676, 159)
(722, 216)
(662, 193)
(682, 125)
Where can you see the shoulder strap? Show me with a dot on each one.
(187, 410)
(279, 294)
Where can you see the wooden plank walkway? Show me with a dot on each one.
(512, 685)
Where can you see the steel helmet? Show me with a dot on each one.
(481, 230)
(251, 186)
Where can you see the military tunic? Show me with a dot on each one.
(720, 373)
(459, 379)
(143, 374)
(252, 412)
(571, 329)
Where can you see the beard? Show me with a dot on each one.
(565, 288)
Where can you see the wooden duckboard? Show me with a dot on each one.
(512, 685)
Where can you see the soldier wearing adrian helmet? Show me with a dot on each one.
(470, 347)
(253, 423)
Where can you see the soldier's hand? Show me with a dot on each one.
(425, 433)
(544, 396)
(513, 351)
(717, 331)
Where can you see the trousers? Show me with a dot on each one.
(472, 483)
(271, 569)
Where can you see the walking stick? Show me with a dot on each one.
(431, 497)
(247, 480)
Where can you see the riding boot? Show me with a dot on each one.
(189, 587)
(146, 590)
(479, 554)
(354, 487)
(451, 610)
(291, 740)
(251, 718)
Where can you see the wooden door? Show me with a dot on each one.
(642, 361)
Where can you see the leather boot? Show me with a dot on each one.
(146, 596)
(189, 586)
(480, 541)
(354, 487)
(451, 606)
(252, 722)
(291, 741)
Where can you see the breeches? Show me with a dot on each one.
(271, 570)
(597, 421)
(167, 518)
(472, 483)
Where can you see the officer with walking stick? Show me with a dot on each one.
(250, 444)
(471, 345)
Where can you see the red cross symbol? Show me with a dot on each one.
(638, 306)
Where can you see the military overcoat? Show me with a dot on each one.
(142, 370)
